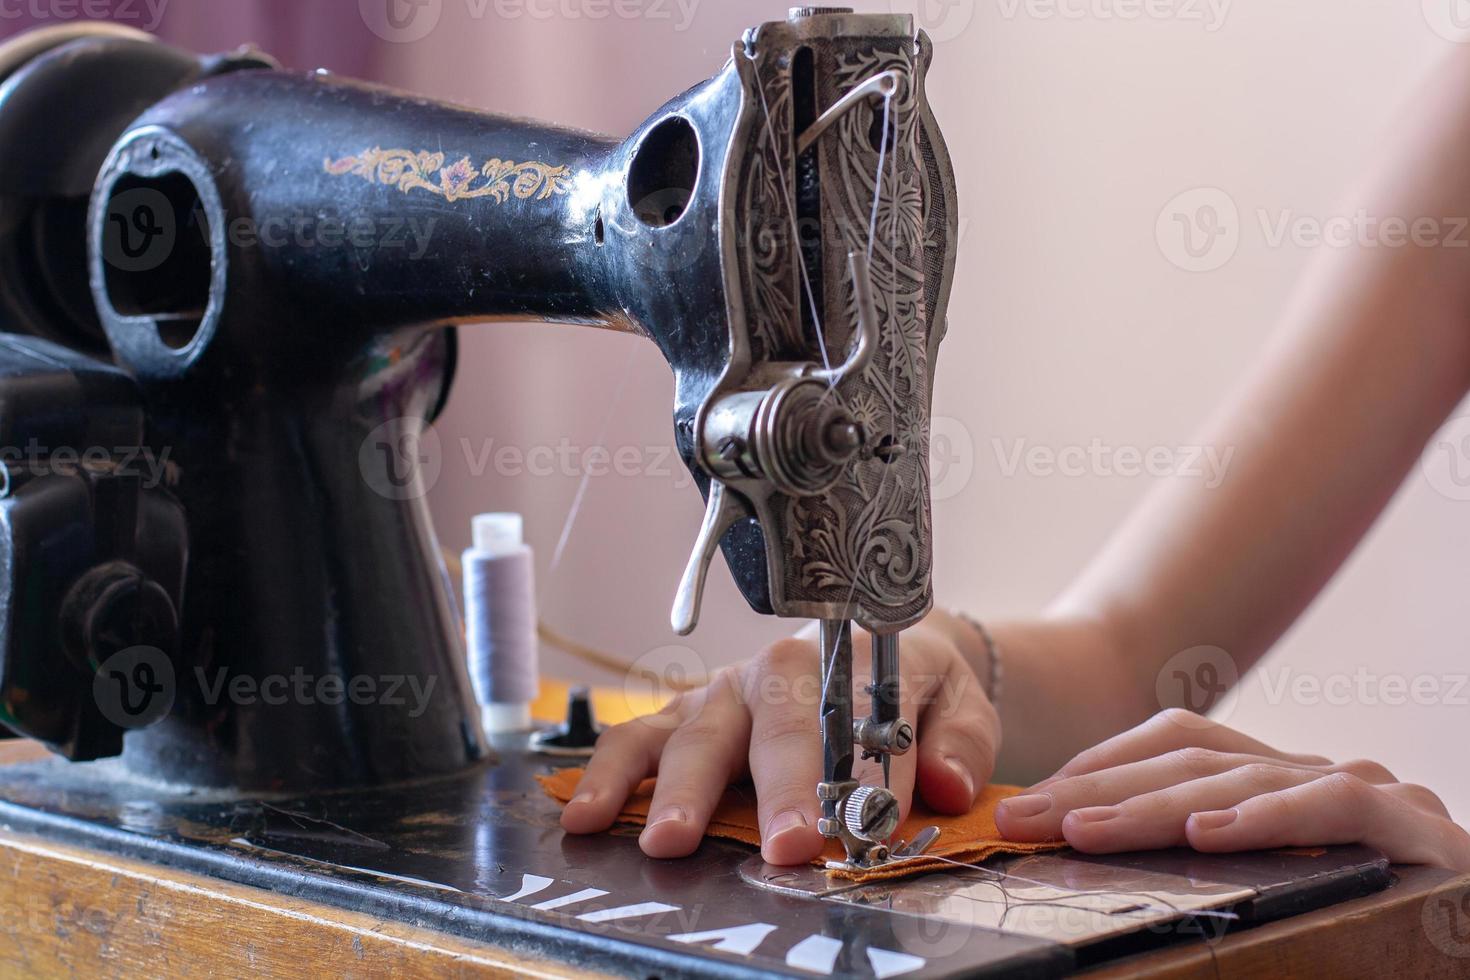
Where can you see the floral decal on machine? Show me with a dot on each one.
(497, 179)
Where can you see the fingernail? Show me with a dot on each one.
(668, 815)
(1022, 807)
(784, 821)
(586, 797)
(1095, 814)
(1214, 819)
(961, 772)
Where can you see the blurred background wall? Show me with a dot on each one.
(1088, 135)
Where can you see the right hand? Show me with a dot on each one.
(760, 718)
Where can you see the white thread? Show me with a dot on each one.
(576, 508)
(790, 202)
(1078, 892)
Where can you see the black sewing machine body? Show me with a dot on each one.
(240, 286)
(281, 370)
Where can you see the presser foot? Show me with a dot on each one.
(865, 818)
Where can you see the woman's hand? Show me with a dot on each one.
(1182, 780)
(761, 718)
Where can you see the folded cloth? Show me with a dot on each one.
(968, 839)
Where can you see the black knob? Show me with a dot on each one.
(577, 735)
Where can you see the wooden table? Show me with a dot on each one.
(70, 911)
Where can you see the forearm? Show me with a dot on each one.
(1372, 354)
(1061, 686)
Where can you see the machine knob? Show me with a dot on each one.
(802, 13)
(870, 813)
(577, 736)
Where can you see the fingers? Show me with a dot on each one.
(958, 740)
(1167, 731)
(1157, 819)
(626, 754)
(700, 758)
(1336, 809)
(1039, 816)
(786, 749)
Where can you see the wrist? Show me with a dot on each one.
(971, 640)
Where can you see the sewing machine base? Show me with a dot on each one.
(482, 857)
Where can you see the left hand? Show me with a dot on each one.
(1180, 780)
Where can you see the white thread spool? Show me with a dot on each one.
(500, 622)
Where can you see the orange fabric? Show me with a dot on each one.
(970, 838)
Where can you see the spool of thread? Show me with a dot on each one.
(500, 622)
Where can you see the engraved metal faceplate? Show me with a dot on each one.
(861, 548)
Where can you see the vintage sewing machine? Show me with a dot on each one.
(212, 411)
